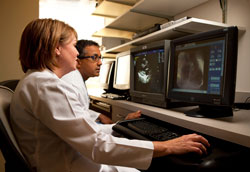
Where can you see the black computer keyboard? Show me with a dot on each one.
(147, 129)
(151, 130)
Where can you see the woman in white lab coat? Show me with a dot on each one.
(47, 119)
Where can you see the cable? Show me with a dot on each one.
(223, 6)
(247, 99)
(244, 105)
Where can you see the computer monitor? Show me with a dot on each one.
(148, 76)
(106, 74)
(122, 71)
(203, 71)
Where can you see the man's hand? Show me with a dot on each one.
(104, 119)
(133, 115)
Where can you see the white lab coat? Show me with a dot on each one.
(75, 78)
(55, 136)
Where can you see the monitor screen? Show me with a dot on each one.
(149, 73)
(122, 71)
(106, 73)
(203, 70)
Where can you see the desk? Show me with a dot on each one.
(235, 129)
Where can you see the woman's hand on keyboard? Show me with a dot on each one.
(181, 145)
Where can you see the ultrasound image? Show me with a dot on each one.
(190, 71)
(149, 71)
(144, 75)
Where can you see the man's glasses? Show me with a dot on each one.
(95, 57)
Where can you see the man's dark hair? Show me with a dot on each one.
(81, 44)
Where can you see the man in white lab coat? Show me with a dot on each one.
(88, 65)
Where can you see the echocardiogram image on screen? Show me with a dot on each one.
(149, 71)
(199, 67)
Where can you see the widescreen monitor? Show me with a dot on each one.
(203, 71)
(148, 76)
(122, 71)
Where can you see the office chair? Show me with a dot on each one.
(12, 83)
(14, 159)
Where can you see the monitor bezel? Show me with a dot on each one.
(121, 86)
(147, 97)
(226, 97)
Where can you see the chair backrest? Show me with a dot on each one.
(12, 83)
(13, 156)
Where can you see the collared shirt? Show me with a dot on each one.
(54, 133)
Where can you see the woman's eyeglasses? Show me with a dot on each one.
(95, 57)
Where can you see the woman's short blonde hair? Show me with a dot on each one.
(39, 41)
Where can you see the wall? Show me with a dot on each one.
(237, 14)
(14, 16)
(77, 15)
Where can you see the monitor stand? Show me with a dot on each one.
(206, 111)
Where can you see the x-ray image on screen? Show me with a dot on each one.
(190, 70)
(149, 67)
(199, 67)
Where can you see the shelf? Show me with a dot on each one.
(189, 26)
(165, 8)
(146, 13)
(111, 9)
(107, 32)
(127, 2)
(109, 55)
(121, 48)
(135, 22)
